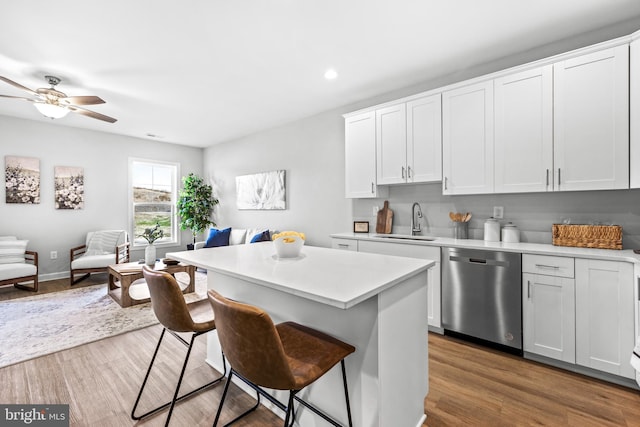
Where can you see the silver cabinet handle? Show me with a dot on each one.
(372, 188)
(409, 172)
(553, 267)
(547, 178)
(528, 289)
(445, 182)
(558, 177)
(402, 172)
(343, 245)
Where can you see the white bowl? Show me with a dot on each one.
(288, 246)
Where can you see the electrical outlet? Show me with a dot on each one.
(498, 212)
(54, 254)
(375, 210)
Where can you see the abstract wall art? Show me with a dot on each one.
(261, 190)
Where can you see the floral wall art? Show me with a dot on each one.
(22, 179)
(69, 187)
(261, 190)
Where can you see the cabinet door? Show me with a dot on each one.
(467, 139)
(424, 139)
(634, 114)
(391, 140)
(548, 316)
(360, 156)
(604, 316)
(524, 131)
(591, 121)
(415, 251)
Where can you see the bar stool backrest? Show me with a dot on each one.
(167, 301)
(251, 343)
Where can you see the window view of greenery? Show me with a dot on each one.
(153, 200)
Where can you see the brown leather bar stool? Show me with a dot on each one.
(173, 313)
(287, 356)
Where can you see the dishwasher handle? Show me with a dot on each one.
(479, 261)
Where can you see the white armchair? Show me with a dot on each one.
(101, 249)
(17, 264)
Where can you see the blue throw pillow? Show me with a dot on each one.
(261, 237)
(218, 238)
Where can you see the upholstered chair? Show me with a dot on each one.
(101, 249)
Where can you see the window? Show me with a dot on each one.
(153, 195)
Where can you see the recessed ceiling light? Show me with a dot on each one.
(331, 74)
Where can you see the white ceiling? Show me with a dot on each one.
(200, 72)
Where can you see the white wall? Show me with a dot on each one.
(311, 151)
(104, 158)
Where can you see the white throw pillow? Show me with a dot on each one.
(12, 251)
(237, 236)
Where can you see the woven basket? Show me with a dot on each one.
(588, 236)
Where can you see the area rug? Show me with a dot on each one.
(42, 324)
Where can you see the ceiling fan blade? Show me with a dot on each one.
(18, 85)
(92, 114)
(84, 100)
(18, 97)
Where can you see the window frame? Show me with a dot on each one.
(175, 229)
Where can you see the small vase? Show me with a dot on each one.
(150, 255)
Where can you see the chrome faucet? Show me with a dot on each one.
(415, 219)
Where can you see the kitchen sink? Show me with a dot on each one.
(404, 236)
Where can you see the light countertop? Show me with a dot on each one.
(331, 276)
(529, 248)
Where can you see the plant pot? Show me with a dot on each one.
(150, 255)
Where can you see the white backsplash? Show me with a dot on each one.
(532, 213)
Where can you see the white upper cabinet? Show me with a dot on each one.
(524, 131)
(591, 121)
(360, 156)
(634, 114)
(467, 139)
(424, 139)
(391, 143)
(409, 141)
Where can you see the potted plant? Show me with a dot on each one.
(151, 235)
(195, 205)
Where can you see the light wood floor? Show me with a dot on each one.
(469, 385)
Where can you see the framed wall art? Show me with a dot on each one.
(261, 190)
(22, 179)
(360, 226)
(69, 187)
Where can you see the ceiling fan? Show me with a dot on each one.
(55, 104)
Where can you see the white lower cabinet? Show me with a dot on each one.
(410, 251)
(548, 306)
(605, 316)
(548, 316)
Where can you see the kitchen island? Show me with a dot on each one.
(375, 302)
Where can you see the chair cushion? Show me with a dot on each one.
(93, 261)
(11, 271)
(104, 242)
(12, 251)
(218, 238)
(237, 236)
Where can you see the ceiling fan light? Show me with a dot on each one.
(52, 111)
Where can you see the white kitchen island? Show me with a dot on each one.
(375, 302)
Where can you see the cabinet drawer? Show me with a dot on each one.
(345, 244)
(400, 249)
(548, 265)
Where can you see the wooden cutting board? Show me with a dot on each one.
(385, 219)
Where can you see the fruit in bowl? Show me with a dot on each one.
(288, 244)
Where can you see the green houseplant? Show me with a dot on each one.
(195, 205)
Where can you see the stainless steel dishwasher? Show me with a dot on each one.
(482, 296)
